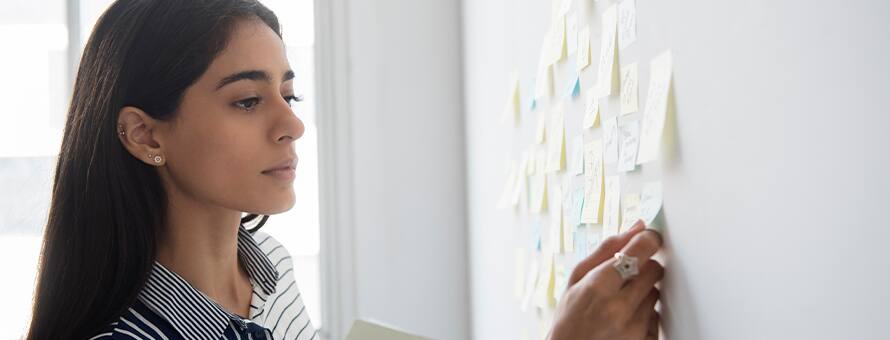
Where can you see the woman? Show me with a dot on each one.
(179, 123)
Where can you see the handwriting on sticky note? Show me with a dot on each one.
(593, 181)
(650, 201)
(606, 77)
(577, 160)
(611, 207)
(629, 89)
(656, 108)
(627, 23)
(629, 135)
(592, 109)
(610, 140)
(630, 210)
(556, 153)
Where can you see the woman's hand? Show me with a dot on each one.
(599, 305)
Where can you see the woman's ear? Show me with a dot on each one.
(140, 135)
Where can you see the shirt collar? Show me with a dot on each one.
(188, 310)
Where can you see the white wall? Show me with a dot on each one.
(775, 197)
(404, 84)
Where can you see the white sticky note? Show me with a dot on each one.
(611, 206)
(593, 181)
(606, 77)
(629, 89)
(583, 48)
(530, 283)
(509, 186)
(630, 210)
(568, 240)
(556, 153)
(561, 280)
(519, 260)
(538, 189)
(656, 108)
(544, 77)
(610, 140)
(650, 201)
(558, 40)
(565, 7)
(629, 135)
(627, 23)
(591, 110)
(577, 164)
(556, 221)
(571, 32)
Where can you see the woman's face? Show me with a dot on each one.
(233, 125)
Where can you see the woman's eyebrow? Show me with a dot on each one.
(256, 75)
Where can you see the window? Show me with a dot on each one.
(46, 39)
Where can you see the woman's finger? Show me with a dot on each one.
(654, 322)
(636, 288)
(642, 246)
(643, 314)
(604, 252)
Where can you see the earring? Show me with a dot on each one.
(120, 130)
(156, 158)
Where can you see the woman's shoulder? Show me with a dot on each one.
(138, 322)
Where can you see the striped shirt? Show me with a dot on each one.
(170, 308)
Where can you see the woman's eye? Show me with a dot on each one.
(293, 99)
(248, 104)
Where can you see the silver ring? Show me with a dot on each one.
(627, 266)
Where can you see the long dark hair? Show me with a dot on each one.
(107, 207)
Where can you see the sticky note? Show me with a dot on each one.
(577, 205)
(512, 107)
(583, 54)
(606, 77)
(630, 210)
(538, 188)
(627, 23)
(531, 282)
(593, 181)
(656, 108)
(571, 32)
(568, 208)
(610, 140)
(564, 7)
(556, 221)
(544, 77)
(591, 110)
(509, 185)
(577, 159)
(576, 87)
(544, 289)
(629, 135)
(541, 160)
(629, 89)
(558, 40)
(581, 249)
(540, 131)
(556, 152)
(560, 281)
(519, 261)
(611, 208)
(650, 201)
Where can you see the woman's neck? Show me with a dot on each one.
(200, 244)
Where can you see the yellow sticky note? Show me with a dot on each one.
(583, 48)
(611, 206)
(556, 153)
(592, 109)
(606, 78)
(540, 132)
(656, 108)
(512, 107)
(610, 140)
(593, 182)
(558, 40)
(539, 193)
(629, 89)
(630, 210)
(556, 224)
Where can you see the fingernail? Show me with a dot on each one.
(637, 226)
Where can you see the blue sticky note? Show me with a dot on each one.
(581, 250)
(534, 104)
(576, 89)
(536, 236)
